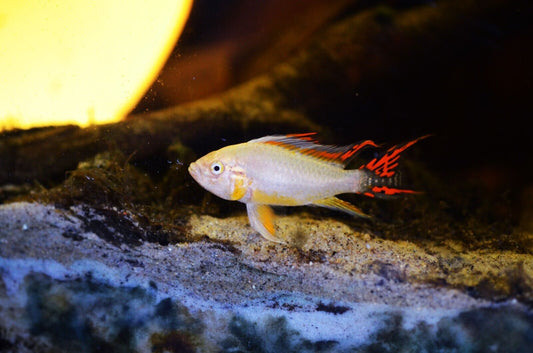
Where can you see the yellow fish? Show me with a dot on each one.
(294, 170)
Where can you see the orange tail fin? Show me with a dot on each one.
(381, 177)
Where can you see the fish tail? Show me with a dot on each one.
(369, 184)
(380, 177)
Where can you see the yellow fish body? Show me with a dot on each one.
(293, 170)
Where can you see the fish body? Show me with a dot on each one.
(294, 170)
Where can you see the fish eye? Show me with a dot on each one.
(217, 168)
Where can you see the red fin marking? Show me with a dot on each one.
(356, 149)
(390, 191)
(382, 179)
(385, 165)
(322, 154)
(306, 145)
(281, 144)
(305, 136)
(337, 154)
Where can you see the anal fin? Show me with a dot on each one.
(340, 205)
(262, 220)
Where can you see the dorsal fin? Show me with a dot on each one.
(307, 145)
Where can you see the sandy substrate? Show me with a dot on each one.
(233, 284)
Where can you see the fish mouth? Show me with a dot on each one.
(194, 170)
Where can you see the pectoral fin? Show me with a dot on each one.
(341, 205)
(239, 188)
(262, 220)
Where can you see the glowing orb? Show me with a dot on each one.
(81, 62)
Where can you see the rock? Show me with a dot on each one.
(64, 286)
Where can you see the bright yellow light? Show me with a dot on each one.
(81, 61)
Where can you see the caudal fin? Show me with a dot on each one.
(380, 177)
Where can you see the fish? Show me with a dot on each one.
(295, 170)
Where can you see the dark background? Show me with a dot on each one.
(475, 99)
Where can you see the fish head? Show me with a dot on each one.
(216, 172)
